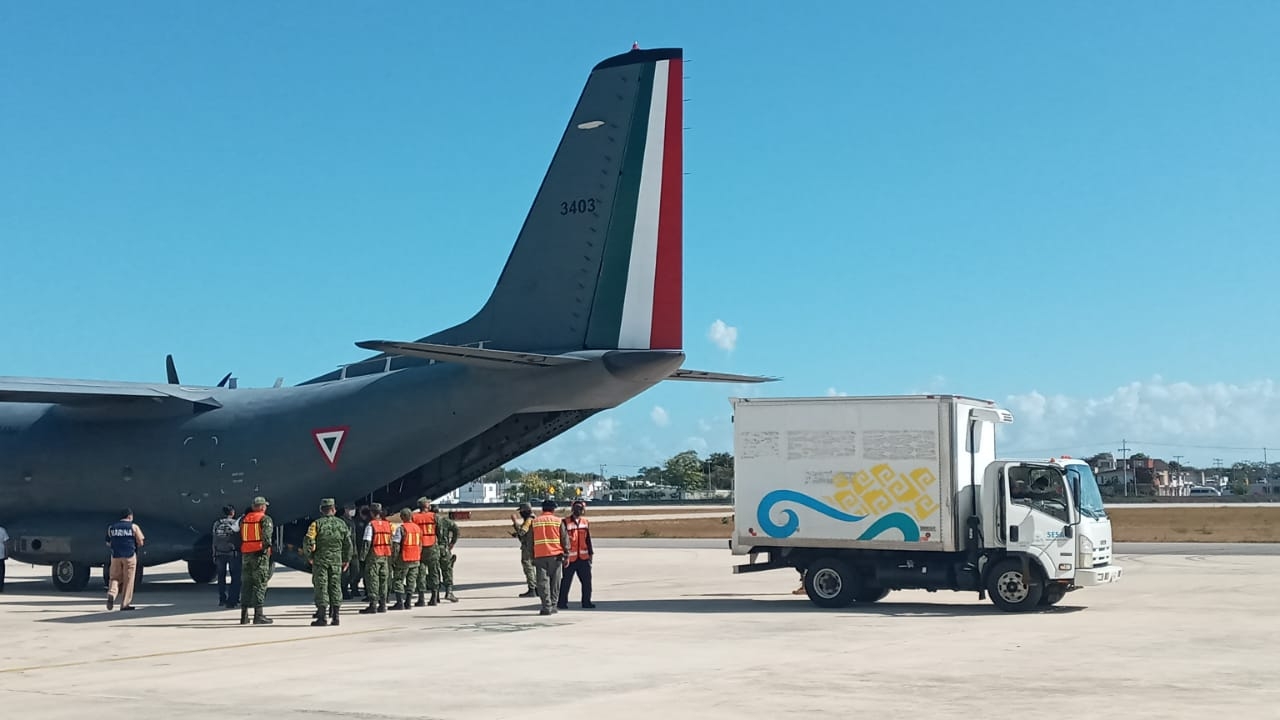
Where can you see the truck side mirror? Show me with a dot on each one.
(1013, 533)
(1068, 532)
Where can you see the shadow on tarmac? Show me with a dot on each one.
(755, 604)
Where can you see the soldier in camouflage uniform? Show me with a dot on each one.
(446, 537)
(375, 566)
(429, 576)
(256, 528)
(406, 562)
(522, 530)
(327, 547)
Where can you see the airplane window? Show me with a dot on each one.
(369, 367)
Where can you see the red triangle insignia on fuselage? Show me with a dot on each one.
(330, 442)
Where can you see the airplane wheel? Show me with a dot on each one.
(70, 576)
(202, 571)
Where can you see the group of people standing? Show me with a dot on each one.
(411, 558)
(414, 556)
(553, 551)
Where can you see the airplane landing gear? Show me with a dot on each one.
(70, 576)
(203, 571)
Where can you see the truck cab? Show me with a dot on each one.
(1049, 512)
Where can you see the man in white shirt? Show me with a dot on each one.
(4, 555)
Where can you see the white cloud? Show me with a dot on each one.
(832, 392)
(1159, 418)
(724, 336)
(604, 429)
(703, 425)
(696, 443)
(659, 416)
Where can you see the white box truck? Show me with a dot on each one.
(865, 495)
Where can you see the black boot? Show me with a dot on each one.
(259, 618)
(435, 597)
(382, 605)
(333, 615)
(320, 620)
(371, 609)
(531, 592)
(448, 594)
(400, 605)
(421, 600)
(244, 615)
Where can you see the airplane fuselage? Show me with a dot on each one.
(342, 439)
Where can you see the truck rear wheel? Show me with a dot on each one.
(830, 583)
(870, 594)
(1014, 585)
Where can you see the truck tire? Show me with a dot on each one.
(869, 594)
(830, 583)
(1014, 585)
(1052, 595)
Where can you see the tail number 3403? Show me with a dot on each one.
(575, 207)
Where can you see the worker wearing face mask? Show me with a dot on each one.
(579, 559)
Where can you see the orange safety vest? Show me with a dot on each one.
(577, 538)
(381, 537)
(426, 522)
(251, 531)
(410, 542)
(546, 536)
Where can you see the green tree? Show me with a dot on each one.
(720, 471)
(532, 485)
(684, 472)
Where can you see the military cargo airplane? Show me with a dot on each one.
(586, 314)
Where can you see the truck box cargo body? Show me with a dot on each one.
(874, 472)
(883, 493)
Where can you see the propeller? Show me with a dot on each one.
(171, 371)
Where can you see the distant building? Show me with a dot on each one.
(474, 492)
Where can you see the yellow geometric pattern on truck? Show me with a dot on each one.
(882, 489)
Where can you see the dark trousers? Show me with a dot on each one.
(228, 593)
(581, 568)
(2, 562)
(351, 579)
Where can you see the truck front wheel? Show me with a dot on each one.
(830, 583)
(1014, 586)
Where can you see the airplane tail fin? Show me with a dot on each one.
(598, 263)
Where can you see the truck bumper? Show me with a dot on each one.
(1099, 576)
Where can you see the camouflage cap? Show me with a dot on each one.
(526, 506)
(423, 500)
(375, 507)
(406, 514)
(327, 503)
(260, 501)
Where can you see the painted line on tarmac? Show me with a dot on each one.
(192, 651)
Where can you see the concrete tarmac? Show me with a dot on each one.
(675, 635)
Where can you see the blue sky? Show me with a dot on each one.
(1071, 210)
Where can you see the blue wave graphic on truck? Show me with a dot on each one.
(893, 521)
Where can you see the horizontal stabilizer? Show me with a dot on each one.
(88, 392)
(705, 376)
(478, 357)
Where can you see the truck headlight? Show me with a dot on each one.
(1086, 553)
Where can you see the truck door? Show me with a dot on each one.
(1038, 515)
(1016, 527)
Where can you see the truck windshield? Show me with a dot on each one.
(1090, 500)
